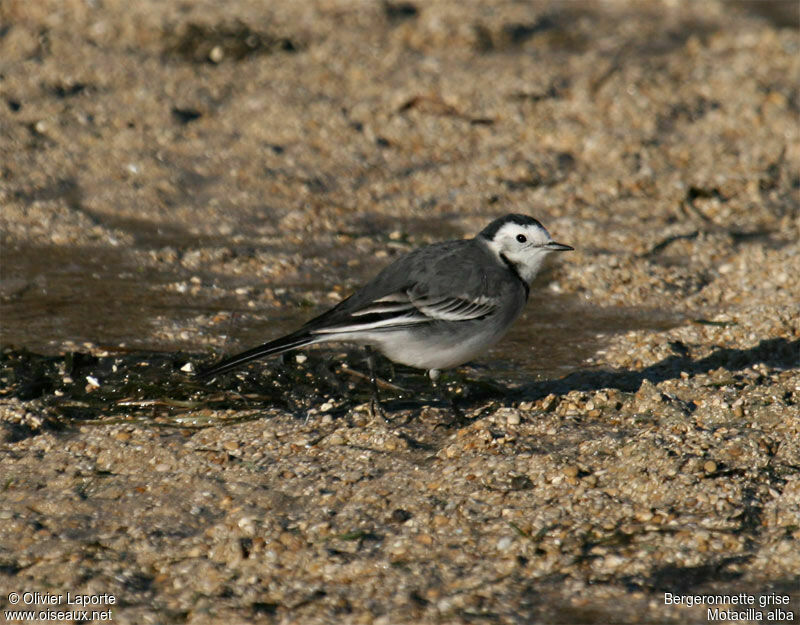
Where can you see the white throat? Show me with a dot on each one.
(526, 265)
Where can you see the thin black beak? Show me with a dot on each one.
(557, 247)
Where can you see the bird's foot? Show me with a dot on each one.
(376, 410)
(459, 418)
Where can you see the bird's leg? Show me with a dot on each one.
(375, 407)
(441, 391)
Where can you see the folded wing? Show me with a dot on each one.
(405, 308)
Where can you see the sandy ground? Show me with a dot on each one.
(272, 156)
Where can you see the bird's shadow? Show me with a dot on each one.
(780, 353)
(473, 394)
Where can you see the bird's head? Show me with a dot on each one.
(522, 242)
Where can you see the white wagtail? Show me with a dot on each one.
(436, 307)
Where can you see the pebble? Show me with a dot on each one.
(335, 439)
(504, 543)
(571, 471)
(216, 55)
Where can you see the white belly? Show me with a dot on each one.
(411, 349)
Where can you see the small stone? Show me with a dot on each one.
(216, 55)
(335, 439)
(710, 466)
(230, 445)
(550, 403)
(247, 525)
(513, 418)
(612, 562)
(440, 520)
(571, 471)
(451, 451)
(161, 467)
(504, 543)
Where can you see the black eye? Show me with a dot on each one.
(521, 238)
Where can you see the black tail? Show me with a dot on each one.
(277, 346)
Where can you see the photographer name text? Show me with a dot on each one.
(46, 598)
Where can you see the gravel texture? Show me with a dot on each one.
(271, 156)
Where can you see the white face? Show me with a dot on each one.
(525, 246)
